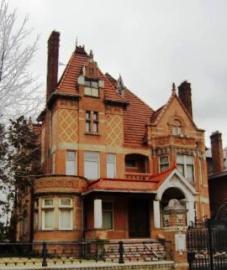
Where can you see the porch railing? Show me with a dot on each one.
(137, 176)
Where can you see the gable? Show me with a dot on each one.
(175, 111)
(176, 180)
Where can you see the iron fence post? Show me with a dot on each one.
(44, 254)
(121, 252)
(209, 226)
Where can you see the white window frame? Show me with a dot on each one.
(74, 162)
(185, 163)
(97, 162)
(108, 174)
(62, 207)
(91, 121)
(46, 208)
(90, 89)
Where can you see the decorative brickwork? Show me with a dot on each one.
(114, 130)
(65, 126)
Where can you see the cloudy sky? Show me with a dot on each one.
(151, 43)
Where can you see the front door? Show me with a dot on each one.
(138, 217)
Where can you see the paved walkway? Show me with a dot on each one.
(161, 265)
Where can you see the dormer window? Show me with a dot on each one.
(91, 88)
(176, 128)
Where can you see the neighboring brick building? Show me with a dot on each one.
(113, 167)
(217, 173)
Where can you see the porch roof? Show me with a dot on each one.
(127, 185)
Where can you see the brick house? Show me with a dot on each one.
(113, 167)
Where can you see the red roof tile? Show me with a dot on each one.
(126, 185)
(68, 81)
(137, 114)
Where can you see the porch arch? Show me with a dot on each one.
(175, 182)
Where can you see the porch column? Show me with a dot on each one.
(97, 213)
(191, 212)
(156, 213)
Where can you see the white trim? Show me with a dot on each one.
(157, 217)
(98, 214)
(176, 180)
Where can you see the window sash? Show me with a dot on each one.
(48, 203)
(65, 219)
(185, 165)
(111, 165)
(91, 165)
(48, 219)
(71, 168)
(65, 202)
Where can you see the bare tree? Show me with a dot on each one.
(18, 88)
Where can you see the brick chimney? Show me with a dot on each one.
(217, 152)
(185, 95)
(52, 62)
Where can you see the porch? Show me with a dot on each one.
(128, 208)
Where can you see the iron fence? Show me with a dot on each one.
(55, 253)
(207, 246)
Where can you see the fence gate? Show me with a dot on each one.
(207, 246)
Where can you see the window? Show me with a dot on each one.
(92, 122)
(176, 128)
(48, 214)
(111, 165)
(107, 215)
(185, 165)
(163, 163)
(91, 165)
(91, 88)
(65, 214)
(71, 163)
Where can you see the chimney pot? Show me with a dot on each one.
(185, 95)
(52, 62)
(217, 152)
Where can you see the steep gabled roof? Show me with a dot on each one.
(136, 117)
(156, 117)
(68, 81)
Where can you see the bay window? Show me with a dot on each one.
(65, 214)
(48, 214)
(57, 214)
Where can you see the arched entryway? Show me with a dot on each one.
(173, 208)
(174, 193)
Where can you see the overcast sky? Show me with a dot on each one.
(151, 43)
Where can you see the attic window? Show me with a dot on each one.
(176, 128)
(91, 88)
